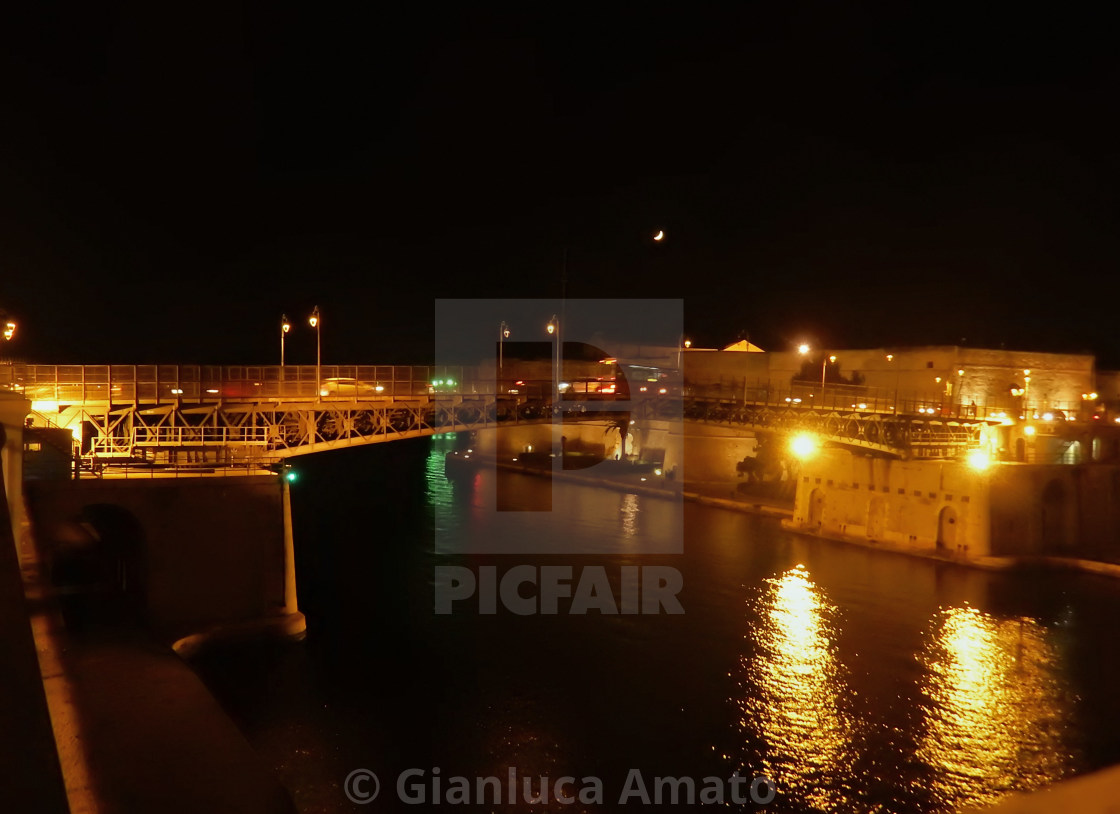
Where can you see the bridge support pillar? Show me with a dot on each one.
(291, 605)
(13, 411)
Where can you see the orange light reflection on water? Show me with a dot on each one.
(799, 683)
(997, 708)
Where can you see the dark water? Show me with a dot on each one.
(858, 681)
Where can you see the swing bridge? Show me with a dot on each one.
(184, 416)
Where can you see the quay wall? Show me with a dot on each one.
(918, 505)
(205, 551)
(947, 507)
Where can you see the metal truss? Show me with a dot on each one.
(182, 415)
(888, 434)
(269, 432)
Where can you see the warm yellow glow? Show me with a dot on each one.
(44, 406)
(1093, 396)
(960, 372)
(313, 320)
(832, 358)
(997, 711)
(890, 357)
(688, 343)
(803, 349)
(660, 235)
(799, 681)
(1026, 371)
(1028, 430)
(285, 326)
(803, 445)
(551, 328)
(9, 330)
(979, 459)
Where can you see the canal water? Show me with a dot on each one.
(857, 681)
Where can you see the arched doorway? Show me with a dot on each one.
(816, 508)
(1053, 515)
(947, 528)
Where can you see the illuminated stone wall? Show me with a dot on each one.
(704, 368)
(1057, 379)
(903, 504)
(1004, 510)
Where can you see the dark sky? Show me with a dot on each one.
(171, 183)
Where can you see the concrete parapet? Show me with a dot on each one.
(189, 555)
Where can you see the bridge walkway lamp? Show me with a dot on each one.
(285, 326)
(503, 335)
(316, 322)
(553, 329)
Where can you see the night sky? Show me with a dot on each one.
(169, 185)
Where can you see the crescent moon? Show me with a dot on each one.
(659, 235)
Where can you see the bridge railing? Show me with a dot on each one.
(164, 436)
(845, 397)
(169, 384)
(72, 384)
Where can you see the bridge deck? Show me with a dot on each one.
(272, 412)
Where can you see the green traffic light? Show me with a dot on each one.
(291, 476)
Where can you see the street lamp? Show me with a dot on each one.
(315, 321)
(804, 350)
(9, 330)
(890, 361)
(553, 329)
(503, 334)
(285, 326)
(824, 364)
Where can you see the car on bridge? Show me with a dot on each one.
(353, 388)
